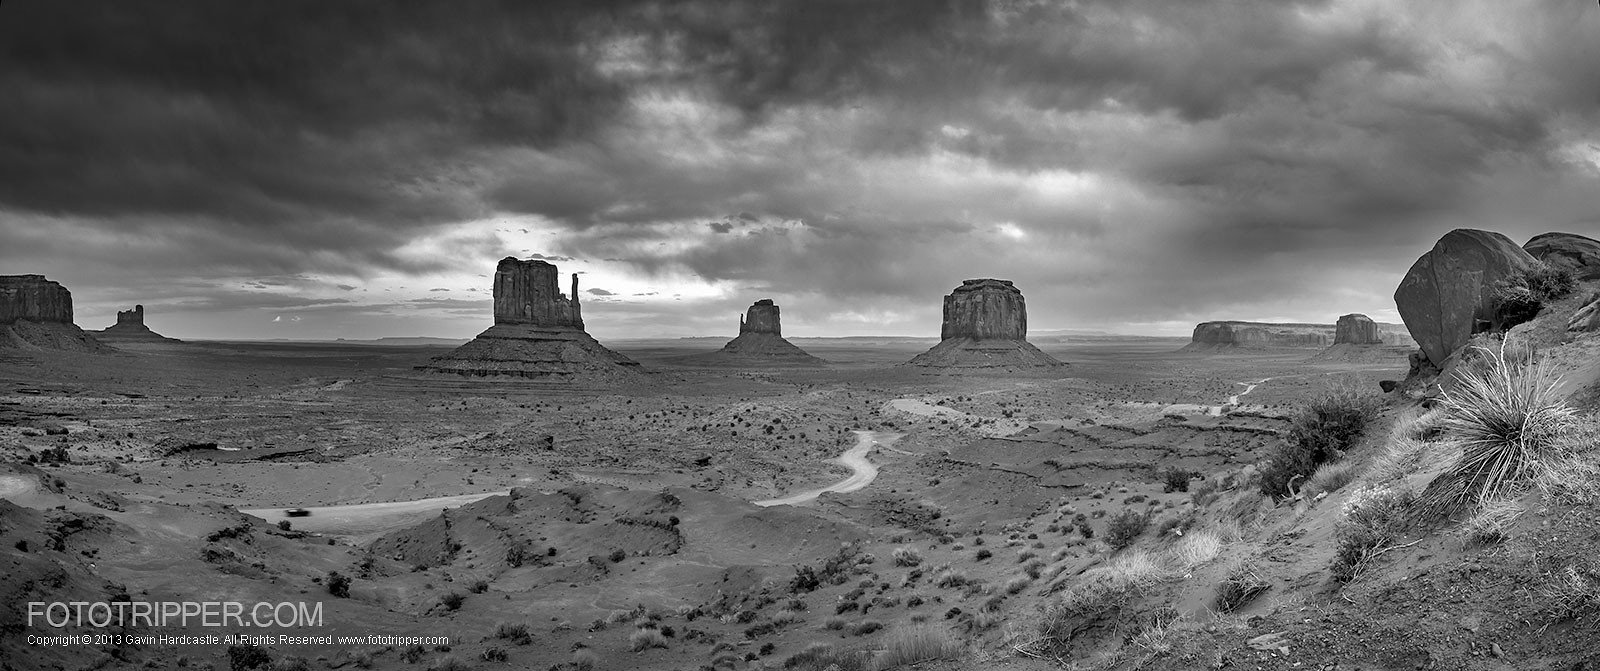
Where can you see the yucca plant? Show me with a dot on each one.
(1507, 417)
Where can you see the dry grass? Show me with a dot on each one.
(919, 643)
(1507, 417)
(1372, 521)
(1332, 476)
(1489, 524)
(1195, 548)
(1242, 584)
(1571, 472)
(644, 639)
(1402, 455)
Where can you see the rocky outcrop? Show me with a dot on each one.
(985, 327)
(36, 314)
(34, 298)
(1447, 295)
(537, 334)
(760, 342)
(1587, 317)
(762, 318)
(985, 309)
(130, 328)
(1356, 329)
(1574, 252)
(1258, 335)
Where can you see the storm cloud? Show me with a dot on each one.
(1132, 166)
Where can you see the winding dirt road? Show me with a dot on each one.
(862, 470)
(367, 517)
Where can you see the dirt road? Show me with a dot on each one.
(862, 470)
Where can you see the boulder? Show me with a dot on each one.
(985, 327)
(1356, 329)
(1574, 252)
(1587, 317)
(537, 334)
(1447, 295)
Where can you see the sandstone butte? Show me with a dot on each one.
(760, 342)
(36, 314)
(985, 326)
(130, 327)
(538, 333)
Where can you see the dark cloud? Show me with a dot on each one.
(1124, 162)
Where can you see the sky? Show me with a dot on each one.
(355, 169)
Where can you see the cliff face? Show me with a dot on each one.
(34, 298)
(1356, 329)
(762, 317)
(527, 293)
(985, 309)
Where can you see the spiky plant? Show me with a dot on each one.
(1507, 417)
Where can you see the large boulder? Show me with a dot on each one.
(1574, 252)
(1448, 293)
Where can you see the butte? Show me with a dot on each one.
(36, 314)
(760, 342)
(537, 333)
(985, 327)
(130, 328)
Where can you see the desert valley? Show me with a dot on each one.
(537, 499)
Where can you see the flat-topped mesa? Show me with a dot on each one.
(983, 309)
(537, 333)
(34, 298)
(761, 317)
(527, 292)
(1226, 334)
(36, 314)
(130, 327)
(985, 326)
(1356, 329)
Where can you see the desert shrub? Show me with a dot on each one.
(951, 578)
(240, 531)
(584, 660)
(413, 654)
(644, 639)
(1400, 456)
(1571, 590)
(1176, 479)
(247, 658)
(516, 555)
(1017, 584)
(865, 627)
(285, 525)
(1320, 433)
(1489, 524)
(984, 554)
(834, 623)
(338, 584)
(906, 557)
(1571, 474)
(516, 633)
(478, 586)
(1080, 522)
(1519, 296)
(1124, 527)
(1372, 520)
(1197, 547)
(820, 656)
(617, 555)
(846, 607)
(1507, 417)
(492, 654)
(914, 644)
(1331, 476)
(1097, 601)
(1237, 588)
(805, 579)
(453, 600)
(448, 663)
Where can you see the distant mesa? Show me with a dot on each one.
(1574, 252)
(760, 342)
(1447, 296)
(36, 314)
(130, 328)
(985, 326)
(1258, 335)
(1350, 329)
(1356, 329)
(537, 333)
